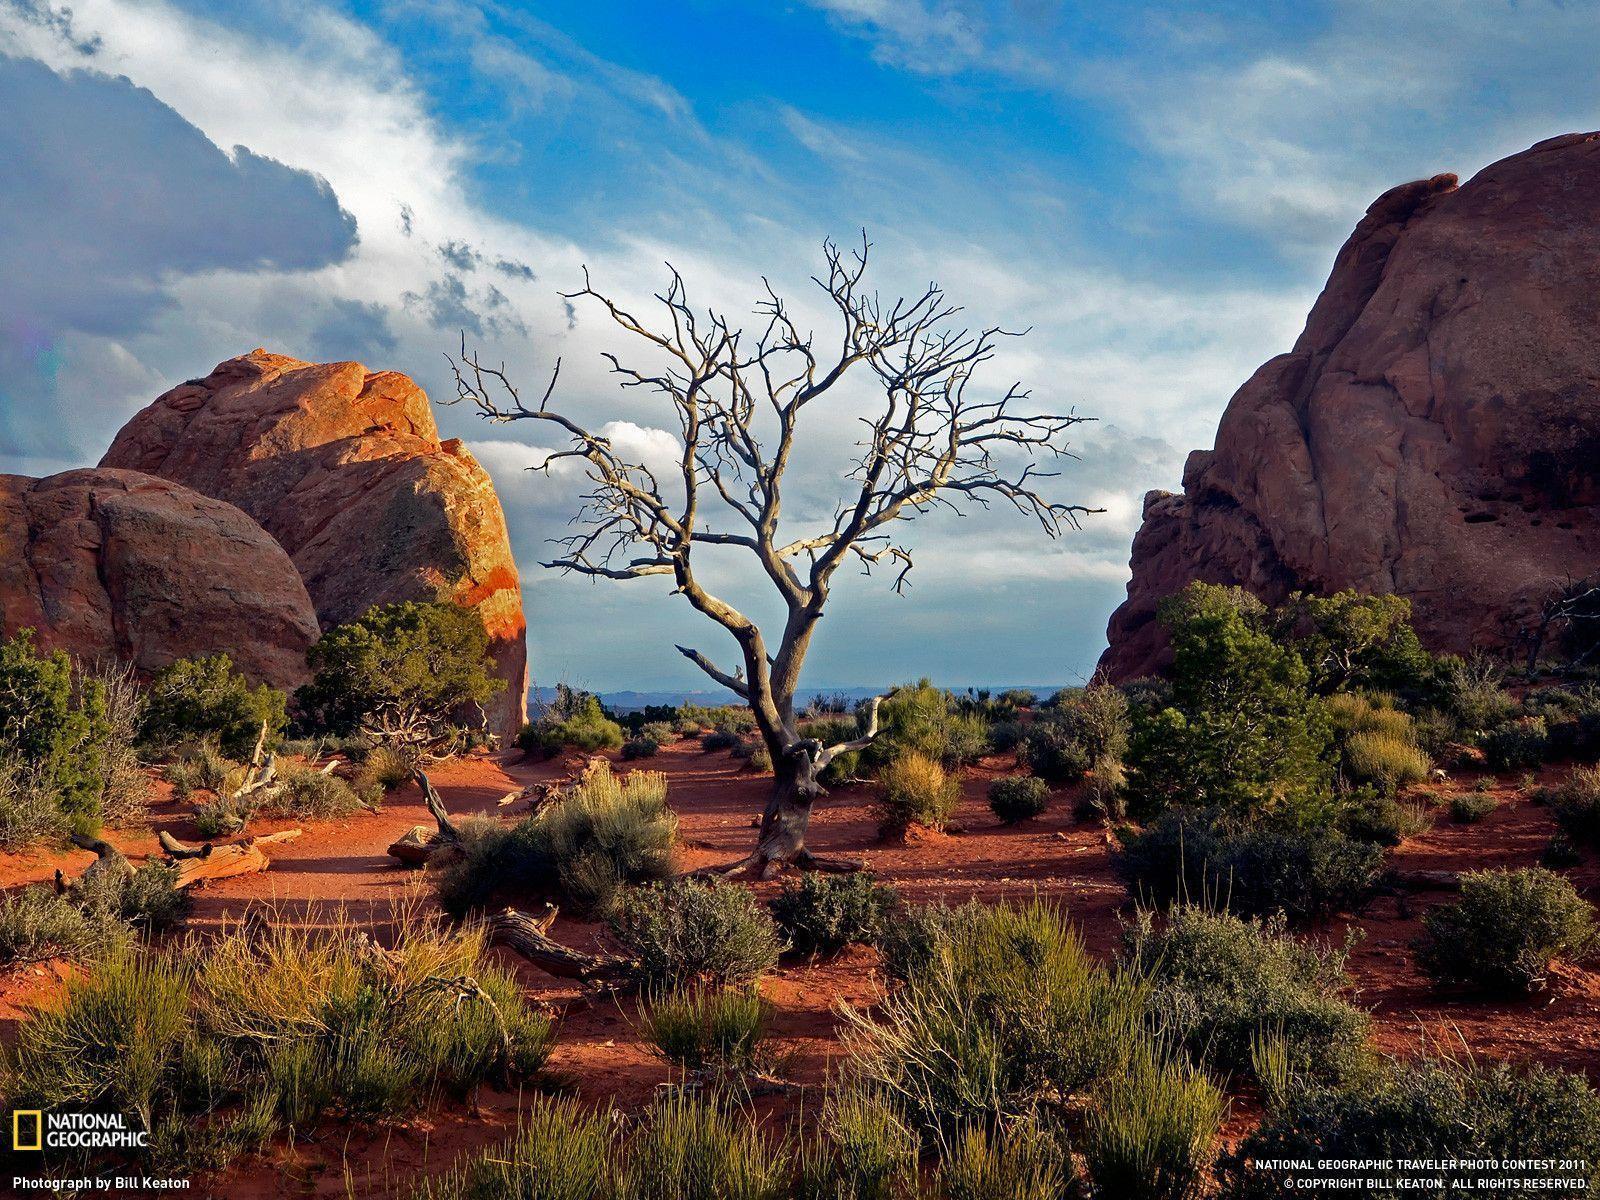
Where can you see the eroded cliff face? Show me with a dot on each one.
(345, 468)
(1434, 432)
(119, 565)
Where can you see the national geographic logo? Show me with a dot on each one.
(33, 1129)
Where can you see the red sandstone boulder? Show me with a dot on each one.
(115, 564)
(345, 468)
(1435, 432)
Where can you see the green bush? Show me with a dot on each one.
(1001, 1009)
(915, 789)
(411, 675)
(1560, 853)
(1505, 931)
(1220, 983)
(1242, 732)
(718, 739)
(822, 914)
(55, 724)
(689, 1149)
(38, 924)
(920, 718)
(1152, 1132)
(1427, 1109)
(583, 848)
(563, 1150)
(1015, 798)
(640, 747)
(28, 808)
(575, 722)
(836, 731)
(1518, 744)
(1253, 872)
(206, 699)
(1384, 759)
(1054, 751)
(689, 932)
(701, 1029)
(1382, 820)
(1470, 691)
(1077, 731)
(1575, 802)
(312, 795)
(662, 733)
(1023, 1162)
(383, 769)
(1471, 807)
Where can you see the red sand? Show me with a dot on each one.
(598, 1050)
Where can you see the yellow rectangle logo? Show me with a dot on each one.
(17, 1123)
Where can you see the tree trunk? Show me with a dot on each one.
(782, 840)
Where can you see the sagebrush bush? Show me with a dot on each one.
(836, 731)
(1470, 692)
(1079, 730)
(1015, 798)
(601, 835)
(383, 769)
(662, 733)
(1186, 855)
(1000, 1007)
(38, 924)
(1380, 819)
(708, 1028)
(1560, 853)
(920, 718)
(1423, 1109)
(1471, 807)
(718, 739)
(915, 789)
(1575, 803)
(640, 747)
(311, 795)
(687, 932)
(207, 699)
(1219, 983)
(1517, 744)
(576, 721)
(1054, 751)
(1505, 931)
(29, 810)
(1152, 1131)
(822, 914)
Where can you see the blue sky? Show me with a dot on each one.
(1156, 191)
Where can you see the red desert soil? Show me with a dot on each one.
(343, 863)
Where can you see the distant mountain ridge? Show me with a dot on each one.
(630, 701)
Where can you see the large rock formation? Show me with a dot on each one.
(345, 468)
(119, 565)
(1435, 432)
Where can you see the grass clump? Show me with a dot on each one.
(1219, 983)
(1386, 760)
(708, 1029)
(1015, 798)
(915, 789)
(99, 915)
(383, 769)
(691, 932)
(1471, 807)
(689, 1149)
(603, 834)
(1575, 801)
(822, 914)
(867, 1151)
(1152, 1132)
(562, 1151)
(1024, 1162)
(1506, 930)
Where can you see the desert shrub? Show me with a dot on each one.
(1219, 983)
(312, 795)
(222, 816)
(409, 674)
(718, 739)
(1015, 798)
(1470, 691)
(686, 1148)
(1024, 1162)
(601, 835)
(206, 699)
(1006, 736)
(148, 900)
(1471, 807)
(54, 723)
(1241, 732)
(731, 718)
(1102, 797)
(1424, 1109)
(640, 747)
(915, 789)
(662, 733)
(707, 1028)
(37, 924)
(1077, 731)
(822, 914)
(1001, 1007)
(920, 718)
(573, 721)
(563, 1150)
(1517, 744)
(687, 931)
(1560, 853)
(1505, 931)
(1053, 751)
(868, 1152)
(1385, 760)
(1575, 802)
(1383, 820)
(28, 808)
(124, 793)
(1251, 871)
(383, 769)
(761, 758)
(1152, 1133)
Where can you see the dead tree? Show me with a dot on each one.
(740, 404)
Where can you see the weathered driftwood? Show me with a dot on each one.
(418, 844)
(526, 935)
(202, 864)
(106, 858)
(1425, 881)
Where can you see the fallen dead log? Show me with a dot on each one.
(1425, 881)
(526, 935)
(106, 858)
(419, 844)
(206, 863)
